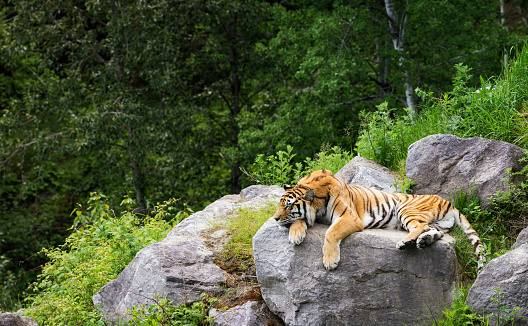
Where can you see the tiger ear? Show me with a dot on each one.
(310, 195)
(286, 187)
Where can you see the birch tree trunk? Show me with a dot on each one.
(397, 31)
(503, 22)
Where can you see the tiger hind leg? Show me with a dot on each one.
(415, 230)
(428, 237)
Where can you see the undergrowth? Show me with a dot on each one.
(461, 314)
(164, 313)
(100, 247)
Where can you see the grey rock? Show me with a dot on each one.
(251, 313)
(362, 172)
(522, 239)
(179, 268)
(509, 273)
(374, 284)
(14, 319)
(260, 191)
(446, 164)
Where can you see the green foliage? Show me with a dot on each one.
(8, 295)
(460, 314)
(281, 170)
(159, 98)
(98, 249)
(163, 312)
(274, 169)
(494, 111)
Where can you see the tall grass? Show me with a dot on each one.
(498, 110)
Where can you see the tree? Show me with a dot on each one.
(339, 58)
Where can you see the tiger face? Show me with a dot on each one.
(293, 206)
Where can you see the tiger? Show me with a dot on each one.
(324, 198)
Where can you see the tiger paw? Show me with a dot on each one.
(330, 257)
(297, 232)
(427, 238)
(403, 244)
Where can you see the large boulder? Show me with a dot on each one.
(504, 282)
(374, 284)
(179, 268)
(15, 319)
(447, 164)
(362, 172)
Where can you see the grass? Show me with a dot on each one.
(238, 252)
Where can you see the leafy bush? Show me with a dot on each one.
(99, 248)
(281, 170)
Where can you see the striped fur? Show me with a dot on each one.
(326, 199)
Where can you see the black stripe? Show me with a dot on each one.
(387, 221)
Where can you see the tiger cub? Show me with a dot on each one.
(326, 199)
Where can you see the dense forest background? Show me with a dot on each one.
(171, 98)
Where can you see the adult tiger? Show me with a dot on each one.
(323, 197)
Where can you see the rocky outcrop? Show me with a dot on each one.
(362, 172)
(446, 164)
(374, 284)
(15, 319)
(179, 268)
(251, 313)
(509, 275)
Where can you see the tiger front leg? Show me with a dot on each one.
(334, 235)
(297, 232)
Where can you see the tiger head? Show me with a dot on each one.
(294, 205)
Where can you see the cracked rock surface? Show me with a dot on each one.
(374, 284)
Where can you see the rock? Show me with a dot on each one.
(374, 284)
(251, 313)
(14, 319)
(522, 238)
(509, 274)
(362, 172)
(179, 268)
(446, 164)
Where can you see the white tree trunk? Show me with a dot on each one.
(397, 31)
(503, 22)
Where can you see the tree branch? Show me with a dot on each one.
(32, 143)
(366, 98)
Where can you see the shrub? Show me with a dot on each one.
(99, 248)
(281, 170)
